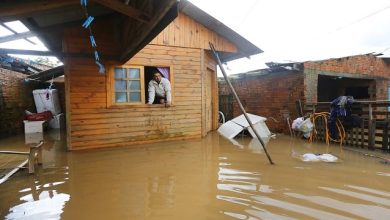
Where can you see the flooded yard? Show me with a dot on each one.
(197, 179)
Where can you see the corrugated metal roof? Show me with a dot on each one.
(245, 47)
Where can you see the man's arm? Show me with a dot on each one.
(152, 93)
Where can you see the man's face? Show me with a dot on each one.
(157, 77)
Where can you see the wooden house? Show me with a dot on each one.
(154, 34)
(97, 116)
(121, 28)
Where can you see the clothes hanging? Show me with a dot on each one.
(341, 109)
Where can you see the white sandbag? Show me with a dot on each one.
(306, 126)
(297, 123)
(327, 158)
(310, 157)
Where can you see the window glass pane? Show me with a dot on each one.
(135, 97)
(120, 97)
(133, 73)
(134, 85)
(120, 85)
(120, 73)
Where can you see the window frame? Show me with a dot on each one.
(111, 91)
(111, 103)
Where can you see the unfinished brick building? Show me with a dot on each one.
(273, 92)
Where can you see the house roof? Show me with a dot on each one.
(48, 18)
(47, 74)
(245, 48)
(21, 65)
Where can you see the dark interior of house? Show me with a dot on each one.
(331, 87)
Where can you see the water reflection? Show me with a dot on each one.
(252, 144)
(161, 192)
(369, 190)
(49, 205)
(198, 179)
(360, 210)
(304, 210)
(251, 194)
(358, 195)
(39, 195)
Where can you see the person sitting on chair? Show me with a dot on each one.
(159, 90)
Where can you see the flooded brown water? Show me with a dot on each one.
(197, 179)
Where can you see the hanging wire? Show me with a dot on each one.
(87, 25)
(51, 82)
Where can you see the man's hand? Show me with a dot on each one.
(167, 105)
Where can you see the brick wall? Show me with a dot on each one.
(15, 97)
(360, 66)
(271, 95)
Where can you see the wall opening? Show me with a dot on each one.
(331, 87)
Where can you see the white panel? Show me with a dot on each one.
(33, 138)
(261, 129)
(33, 126)
(230, 129)
(57, 122)
(47, 100)
(241, 120)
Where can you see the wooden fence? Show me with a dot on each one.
(373, 133)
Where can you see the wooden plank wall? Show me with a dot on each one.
(93, 125)
(211, 64)
(185, 32)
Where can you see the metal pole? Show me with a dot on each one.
(239, 102)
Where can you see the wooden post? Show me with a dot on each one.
(299, 107)
(370, 135)
(35, 154)
(362, 134)
(31, 161)
(239, 102)
(371, 144)
(385, 135)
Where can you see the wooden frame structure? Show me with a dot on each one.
(373, 132)
(132, 32)
(182, 46)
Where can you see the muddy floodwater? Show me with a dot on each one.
(211, 178)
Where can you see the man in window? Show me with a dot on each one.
(159, 90)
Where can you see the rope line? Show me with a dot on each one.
(87, 25)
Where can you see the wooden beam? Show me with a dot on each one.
(34, 6)
(160, 20)
(14, 32)
(125, 9)
(16, 36)
(29, 52)
(56, 54)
